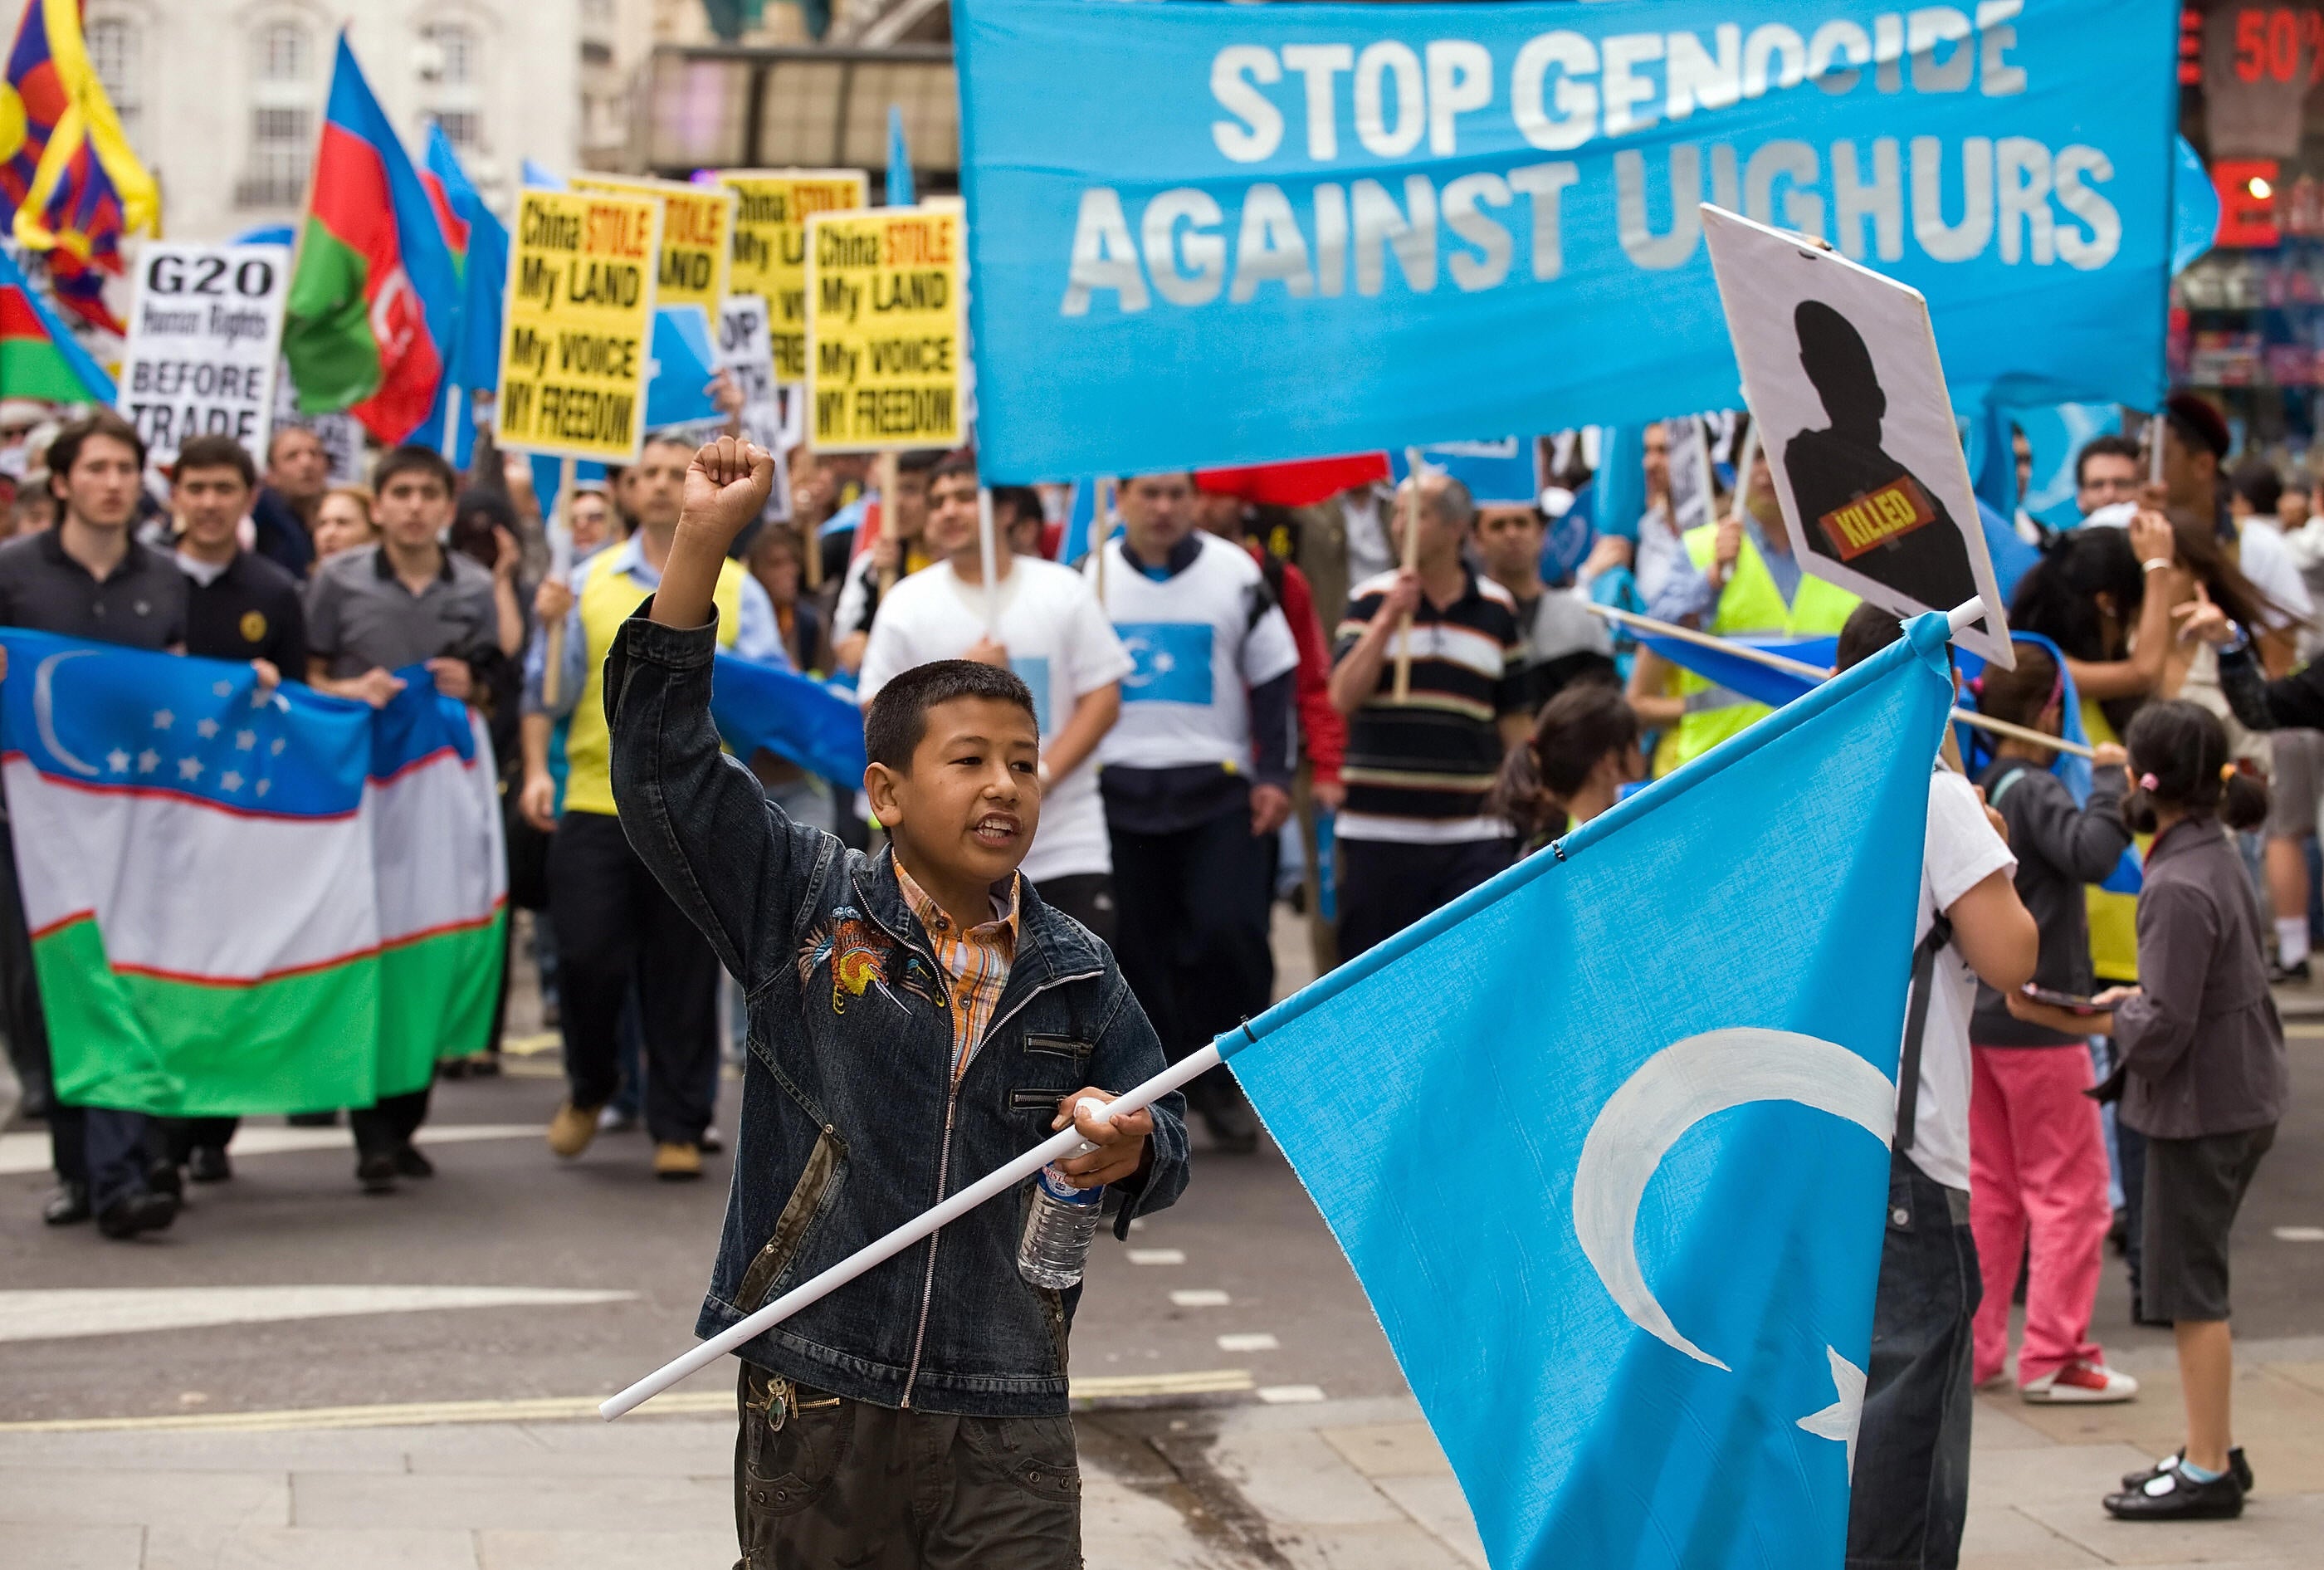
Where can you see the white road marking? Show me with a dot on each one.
(1249, 1340)
(1158, 1256)
(2300, 1233)
(54, 1313)
(1285, 1395)
(1200, 1297)
(22, 1153)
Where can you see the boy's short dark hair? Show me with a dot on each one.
(963, 462)
(1023, 501)
(216, 452)
(1868, 631)
(920, 460)
(408, 459)
(64, 448)
(897, 717)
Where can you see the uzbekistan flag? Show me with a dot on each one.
(39, 355)
(374, 314)
(245, 902)
(66, 166)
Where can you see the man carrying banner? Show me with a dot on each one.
(1910, 1498)
(1762, 590)
(1415, 833)
(239, 606)
(1196, 778)
(87, 578)
(1041, 621)
(613, 923)
(369, 613)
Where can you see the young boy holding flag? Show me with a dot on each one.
(917, 1019)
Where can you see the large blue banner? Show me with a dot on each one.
(1293, 230)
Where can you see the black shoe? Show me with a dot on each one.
(377, 1173)
(1234, 1128)
(68, 1206)
(2237, 1468)
(2289, 975)
(411, 1163)
(452, 1068)
(321, 1120)
(484, 1066)
(2173, 1496)
(134, 1212)
(207, 1164)
(163, 1176)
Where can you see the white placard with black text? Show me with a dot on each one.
(205, 331)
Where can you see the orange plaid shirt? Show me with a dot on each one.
(978, 961)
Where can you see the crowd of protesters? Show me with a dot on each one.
(1371, 703)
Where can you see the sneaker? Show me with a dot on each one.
(571, 1128)
(678, 1163)
(2081, 1381)
(133, 1214)
(207, 1164)
(377, 1173)
(2237, 1468)
(411, 1163)
(2173, 1496)
(2289, 975)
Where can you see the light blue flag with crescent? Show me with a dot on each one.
(1606, 1140)
(896, 190)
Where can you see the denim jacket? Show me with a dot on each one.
(851, 1122)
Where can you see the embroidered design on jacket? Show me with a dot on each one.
(861, 956)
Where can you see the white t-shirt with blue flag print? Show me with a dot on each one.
(1199, 649)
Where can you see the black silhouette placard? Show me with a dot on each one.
(1840, 369)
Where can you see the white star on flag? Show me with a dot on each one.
(264, 785)
(190, 768)
(207, 728)
(230, 781)
(1839, 1420)
(118, 760)
(148, 760)
(276, 746)
(245, 739)
(163, 719)
(222, 687)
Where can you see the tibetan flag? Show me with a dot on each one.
(374, 305)
(1641, 1328)
(39, 355)
(246, 901)
(66, 167)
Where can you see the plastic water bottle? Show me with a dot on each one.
(1057, 1231)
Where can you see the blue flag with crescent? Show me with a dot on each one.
(1606, 1139)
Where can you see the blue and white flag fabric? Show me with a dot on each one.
(1738, 672)
(1333, 227)
(1606, 1140)
(792, 716)
(243, 900)
(896, 189)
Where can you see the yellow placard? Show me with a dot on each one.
(578, 338)
(884, 334)
(698, 228)
(770, 213)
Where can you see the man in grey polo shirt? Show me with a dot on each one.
(87, 578)
(371, 612)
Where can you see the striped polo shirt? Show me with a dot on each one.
(1417, 771)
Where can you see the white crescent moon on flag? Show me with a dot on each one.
(1677, 1088)
(44, 716)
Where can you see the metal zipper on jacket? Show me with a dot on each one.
(943, 1164)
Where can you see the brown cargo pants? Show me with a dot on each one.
(821, 1481)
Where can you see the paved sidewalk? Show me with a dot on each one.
(1351, 1485)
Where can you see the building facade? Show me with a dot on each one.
(224, 100)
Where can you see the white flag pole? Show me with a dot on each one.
(1057, 1147)
(985, 551)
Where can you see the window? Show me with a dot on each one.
(284, 103)
(113, 54)
(451, 73)
(283, 53)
